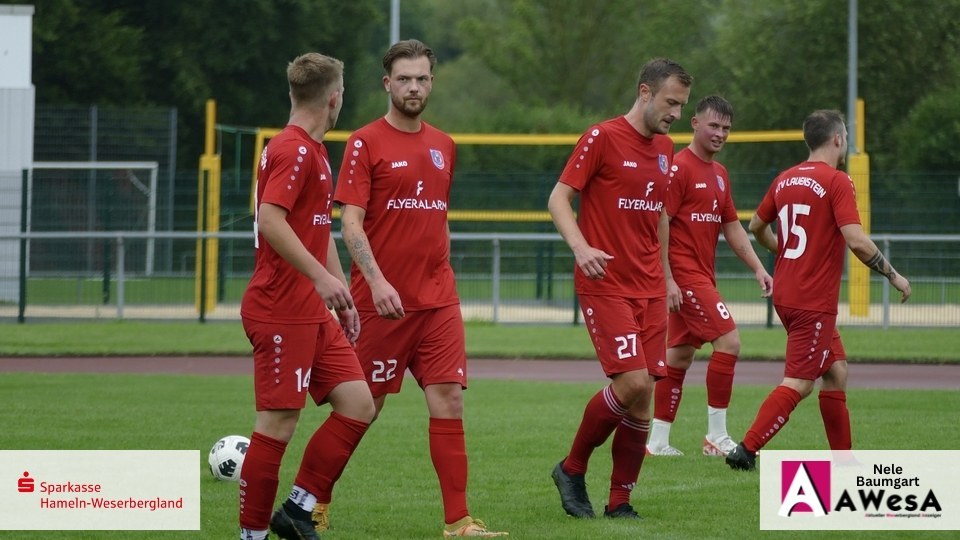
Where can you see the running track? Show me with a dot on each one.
(762, 373)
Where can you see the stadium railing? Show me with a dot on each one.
(502, 278)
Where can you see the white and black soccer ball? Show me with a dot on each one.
(226, 457)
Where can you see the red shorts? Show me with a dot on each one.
(810, 353)
(290, 360)
(703, 317)
(430, 343)
(628, 333)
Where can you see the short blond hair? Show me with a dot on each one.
(312, 76)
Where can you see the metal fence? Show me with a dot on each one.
(502, 278)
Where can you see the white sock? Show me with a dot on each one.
(716, 423)
(302, 498)
(248, 534)
(659, 434)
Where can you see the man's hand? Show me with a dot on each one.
(386, 300)
(901, 284)
(592, 262)
(350, 321)
(335, 294)
(674, 296)
(766, 284)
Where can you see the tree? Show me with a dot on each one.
(581, 54)
(85, 56)
(786, 59)
(180, 53)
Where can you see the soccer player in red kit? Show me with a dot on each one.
(620, 170)
(700, 206)
(815, 205)
(394, 189)
(298, 346)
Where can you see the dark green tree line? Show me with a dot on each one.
(181, 53)
(526, 66)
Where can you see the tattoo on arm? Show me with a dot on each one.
(363, 257)
(878, 263)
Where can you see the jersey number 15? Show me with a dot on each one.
(789, 227)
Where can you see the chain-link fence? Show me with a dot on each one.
(88, 243)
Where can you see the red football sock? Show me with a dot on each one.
(836, 419)
(720, 379)
(259, 478)
(327, 453)
(601, 416)
(667, 395)
(772, 416)
(628, 449)
(448, 450)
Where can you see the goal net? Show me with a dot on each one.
(91, 196)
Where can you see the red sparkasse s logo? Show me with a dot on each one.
(25, 484)
(804, 487)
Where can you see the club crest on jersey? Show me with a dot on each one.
(437, 158)
(664, 164)
(720, 182)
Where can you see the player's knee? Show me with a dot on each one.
(680, 361)
(633, 386)
(728, 343)
(277, 424)
(367, 411)
(444, 400)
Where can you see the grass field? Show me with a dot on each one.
(483, 340)
(516, 432)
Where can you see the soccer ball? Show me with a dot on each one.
(226, 457)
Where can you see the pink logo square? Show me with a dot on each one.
(804, 487)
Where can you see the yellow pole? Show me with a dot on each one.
(859, 170)
(208, 218)
(209, 133)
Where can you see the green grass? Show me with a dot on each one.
(516, 432)
(483, 340)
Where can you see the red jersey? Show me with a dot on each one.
(622, 178)
(403, 182)
(811, 201)
(700, 202)
(294, 174)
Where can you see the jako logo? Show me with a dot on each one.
(25, 484)
(804, 487)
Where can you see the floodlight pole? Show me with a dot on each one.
(853, 145)
(394, 29)
(394, 22)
